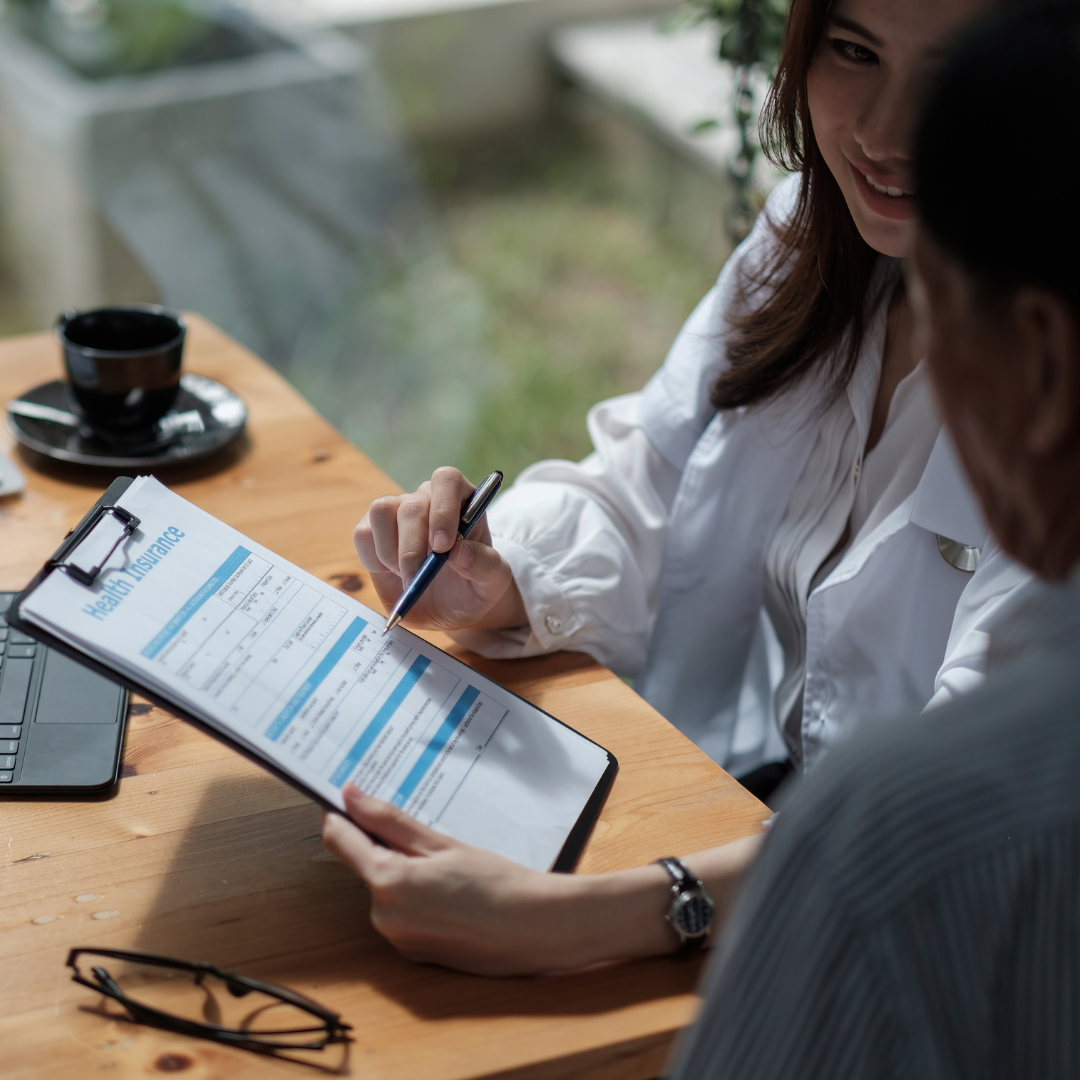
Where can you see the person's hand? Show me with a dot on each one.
(440, 901)
(476, 587)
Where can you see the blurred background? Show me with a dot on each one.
(454, 225)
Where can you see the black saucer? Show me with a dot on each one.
(222, 413)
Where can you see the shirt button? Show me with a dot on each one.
(858, 466)
(554, 624)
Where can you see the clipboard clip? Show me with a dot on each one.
(129, 523)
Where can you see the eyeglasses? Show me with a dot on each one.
(208, 1003)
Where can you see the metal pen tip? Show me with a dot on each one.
(390, 624)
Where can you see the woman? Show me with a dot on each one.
(759, 536)
(933, 930)
(761, 532)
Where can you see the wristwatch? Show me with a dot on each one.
(691, 911)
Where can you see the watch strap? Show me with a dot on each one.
(679, 873)
(683, 882)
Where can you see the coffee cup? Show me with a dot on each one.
(123, 365)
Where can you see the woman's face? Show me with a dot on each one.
(864, 89)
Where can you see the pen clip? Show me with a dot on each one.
(479, 500)
(129, 523)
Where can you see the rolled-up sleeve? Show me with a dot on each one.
(585, 541)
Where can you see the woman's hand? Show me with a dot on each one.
(476, 587)
(437, 900)
(440, 901)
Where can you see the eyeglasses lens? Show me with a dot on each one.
(202, 998)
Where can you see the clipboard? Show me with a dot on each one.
(65, 560)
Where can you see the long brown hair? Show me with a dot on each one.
(817, 281)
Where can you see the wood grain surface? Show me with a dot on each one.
(199, 854)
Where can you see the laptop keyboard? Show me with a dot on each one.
(17, 655)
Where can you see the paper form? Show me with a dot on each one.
(301, 673)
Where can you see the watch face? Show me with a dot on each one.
(692, 914)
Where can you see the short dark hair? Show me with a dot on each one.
(997, 159)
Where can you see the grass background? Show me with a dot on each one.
(562, 287)
(582, 294)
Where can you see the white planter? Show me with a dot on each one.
(240, 188)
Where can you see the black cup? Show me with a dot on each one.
(123, 365)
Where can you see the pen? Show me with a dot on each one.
(471, 513)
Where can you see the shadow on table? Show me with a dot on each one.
(99, 479)
(251, 889)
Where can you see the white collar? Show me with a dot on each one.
(944, 502)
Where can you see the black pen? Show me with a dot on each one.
(471, 513)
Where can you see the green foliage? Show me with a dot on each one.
(751, 31)
(583, 299)
(582, 295)
(102, 38)
(751, 35)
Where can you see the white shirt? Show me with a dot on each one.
(683, 550)
(839, 491)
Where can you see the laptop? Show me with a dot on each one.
(61, 725)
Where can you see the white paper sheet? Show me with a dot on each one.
(300, 673)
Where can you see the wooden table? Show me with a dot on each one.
(201, 855)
